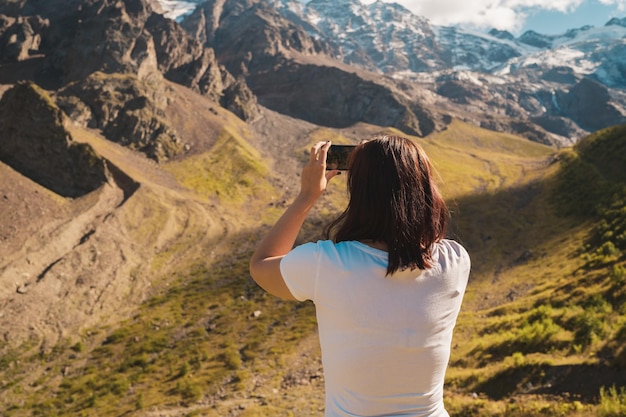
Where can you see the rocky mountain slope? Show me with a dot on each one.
(522, 85)
(142, 158)
(64, 42)
(28, 118)
(296, 59)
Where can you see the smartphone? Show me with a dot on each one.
(338, 157)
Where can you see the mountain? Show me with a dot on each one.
(142, 158)
(493, 80)
(63, 45)
(293, 58)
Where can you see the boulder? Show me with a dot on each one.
(20, 38)
(35, 143)
(127, 110)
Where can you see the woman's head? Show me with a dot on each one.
(394, 200)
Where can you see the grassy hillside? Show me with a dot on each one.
(545, 313)
(542, 331)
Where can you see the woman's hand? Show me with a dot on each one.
(265, 262)
(315, 177)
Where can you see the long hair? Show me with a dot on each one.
(392, 199)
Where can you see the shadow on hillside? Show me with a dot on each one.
(507, 227)
(581, 382)
(501, 230)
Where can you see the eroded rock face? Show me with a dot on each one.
(114, 36)
(35, 143)
(20, 38)
(187, 61)
(589, 104)
(127, 110)
(239, 99)
(332, 97)
(258, 44)
(183, 59)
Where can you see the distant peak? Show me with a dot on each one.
(501, 34)
(617, 22)
(536, 39)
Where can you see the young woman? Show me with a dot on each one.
(387, 289)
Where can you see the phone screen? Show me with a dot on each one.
(338, 156)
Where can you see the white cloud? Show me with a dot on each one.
(500, 14)
(620, 5)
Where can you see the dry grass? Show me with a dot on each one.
(541, 333)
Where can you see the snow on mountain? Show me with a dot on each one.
(598, 52)
(472, 50)
(176, 9)
(389, 38)
(379, 36)
(556, 87)
(394, 40)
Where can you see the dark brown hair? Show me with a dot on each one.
(394, 200)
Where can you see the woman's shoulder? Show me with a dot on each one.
(452, 249)
(318, 247)
(343, 250)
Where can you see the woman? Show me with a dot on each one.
(387, 289)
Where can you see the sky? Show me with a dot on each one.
(548, 17)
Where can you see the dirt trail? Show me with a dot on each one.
(91, 265)
(30, 264)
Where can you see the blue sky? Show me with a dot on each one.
(588, 13)
(517, 16)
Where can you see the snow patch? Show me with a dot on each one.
(177, 9)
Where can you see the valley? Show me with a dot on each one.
(202, 338)
(141, 159)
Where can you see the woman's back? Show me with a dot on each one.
(385, 339)
(385, 317)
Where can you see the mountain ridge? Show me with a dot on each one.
(135, 298)
(514, 76)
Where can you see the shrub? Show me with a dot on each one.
(184, 370)
(78, 347)
(116, 337)
(537, 334)
(188, 391)
(588, 328)
(231, 358)
(612, 402)
(618, 275)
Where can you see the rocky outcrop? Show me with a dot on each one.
(100, 35)
(589, 104)
(559, 125)
(35, 143)
(462, 92)
(127, 110)
(186, 61)
(183, 59)
(120, 37)
(561, 75)
(239, 99)
(20, 38)
(535, 39)
(257, 43)
(525, 128)
(249, 36)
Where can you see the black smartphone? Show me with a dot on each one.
(338, 156)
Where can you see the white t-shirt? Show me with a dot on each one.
(385, 340)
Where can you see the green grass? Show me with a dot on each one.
(187, 343)
(544, 307)
(231, 172)
(563, 297)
